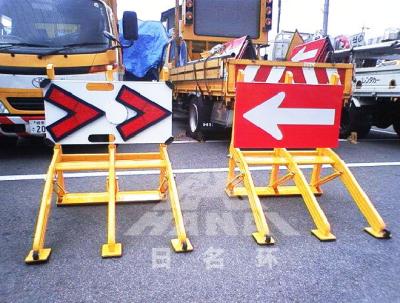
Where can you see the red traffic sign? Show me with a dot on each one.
(148, 113)
(314, 51)
(287, 115)
(79, 112)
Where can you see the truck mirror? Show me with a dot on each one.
(130, 26)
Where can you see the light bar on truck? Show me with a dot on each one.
(268, 20)
(189, 12)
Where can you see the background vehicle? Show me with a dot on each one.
(376, 92)
(69, 35)
(205, 85)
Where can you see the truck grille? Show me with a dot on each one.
(22, 103)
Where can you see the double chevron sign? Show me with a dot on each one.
(131, 112)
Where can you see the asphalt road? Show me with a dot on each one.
(226, 264)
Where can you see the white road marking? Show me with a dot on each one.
(195, 141)
(180, 171)
(383, 131)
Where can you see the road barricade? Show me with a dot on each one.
(112, 112)
(269, 118)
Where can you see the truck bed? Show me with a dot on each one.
(217, 77)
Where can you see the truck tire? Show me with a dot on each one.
(199, 112)
(344, 130)
(396, 126)
(355, 119)
(362, 130)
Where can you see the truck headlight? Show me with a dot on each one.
(3, 109)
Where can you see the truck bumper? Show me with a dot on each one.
(19, 126)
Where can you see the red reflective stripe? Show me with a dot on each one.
(5, 120)
(321, 76)
(262, 74)
(342, 75)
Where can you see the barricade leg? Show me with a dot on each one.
(316, 175)
(60, 187)
(39, 253)
(323, 231)
(181, 243)
(262, 236)
(377, 226)
(111, 248)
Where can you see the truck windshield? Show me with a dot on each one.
(38, 26)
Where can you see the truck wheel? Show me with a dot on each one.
(396, 126)
(362, 130)
(8, 142)
(344, 130)
(199, 112)
(360, 120)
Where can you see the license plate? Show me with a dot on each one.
(37, 127)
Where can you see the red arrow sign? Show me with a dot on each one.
(314, 51)
(148, 113)
(79, 112)
(287, 115)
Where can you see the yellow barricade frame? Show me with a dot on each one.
(110, 162)
(281, 157)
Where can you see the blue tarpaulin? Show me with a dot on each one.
(146, 53)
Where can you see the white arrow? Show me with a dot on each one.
(268, 115)
(303, 55)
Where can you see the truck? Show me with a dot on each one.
(218, 38)
(79, 38)
(376, 93)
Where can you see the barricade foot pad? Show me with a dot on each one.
(179, 247)
(40, 256)
(383, 234)
(323, 237)
(111, 250)
(262, 239)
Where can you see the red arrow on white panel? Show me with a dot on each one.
(269, 115)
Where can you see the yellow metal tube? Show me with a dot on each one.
(38, 252)
(111, 197)
(377, 225)
(262, 236)
(316, 174)
(274, 175)
(323, 231)
(60, 184)
(111, 248)
(182, 243)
